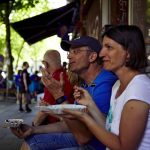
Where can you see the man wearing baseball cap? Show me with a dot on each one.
(70, 134)
(82, 41)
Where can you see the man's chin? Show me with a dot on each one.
(73, 70)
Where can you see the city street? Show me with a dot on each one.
(9, 110)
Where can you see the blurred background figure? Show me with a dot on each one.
(2, 83)
(65, 65)
(35, 86)
(2, 80)
(19, 88)
(26, 82)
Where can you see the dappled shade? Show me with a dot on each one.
(47, 24)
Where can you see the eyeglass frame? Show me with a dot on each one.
(75, 50)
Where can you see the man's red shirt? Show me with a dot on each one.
(68, 90)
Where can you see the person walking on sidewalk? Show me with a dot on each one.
(25, 89)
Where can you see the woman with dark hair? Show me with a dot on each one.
(128, 122)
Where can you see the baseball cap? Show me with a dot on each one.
(91, 42)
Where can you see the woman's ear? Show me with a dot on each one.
(127, 57)
(93, 56)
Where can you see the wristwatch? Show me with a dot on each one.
(61, 99)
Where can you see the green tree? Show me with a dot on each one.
(2, 35)
(5, 10)
(19, 46)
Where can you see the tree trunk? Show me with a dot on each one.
(8, 44)
(19, 52)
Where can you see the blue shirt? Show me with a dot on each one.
(100, 90)
(18, 80)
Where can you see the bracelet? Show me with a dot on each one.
(61, 99)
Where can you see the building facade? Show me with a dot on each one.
(95, 14)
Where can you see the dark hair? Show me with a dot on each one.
(24, 63)
(132, 40)
(36, 72)
(19, 71)
(64, 64)
(106, 27)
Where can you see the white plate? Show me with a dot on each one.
(13, 123)
(57, 109)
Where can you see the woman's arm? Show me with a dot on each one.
(83, 97)
(132, 126)
(98, 116)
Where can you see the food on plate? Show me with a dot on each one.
(57, 109)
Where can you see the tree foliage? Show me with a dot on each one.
(16, 5)
(31, 53)
(11, 11)
(2, 38)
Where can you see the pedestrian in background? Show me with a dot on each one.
(26, 82)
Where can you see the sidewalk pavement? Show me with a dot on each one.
(9, 110)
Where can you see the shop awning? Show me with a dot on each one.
(5, 1)
(47, 24)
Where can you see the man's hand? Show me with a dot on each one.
(43, 103)
(56, 88)
(23, 131)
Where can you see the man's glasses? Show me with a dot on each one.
(77, 51)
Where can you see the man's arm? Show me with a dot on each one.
(79, 130)
(26, 130)
(60, 126)
(39, 118)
